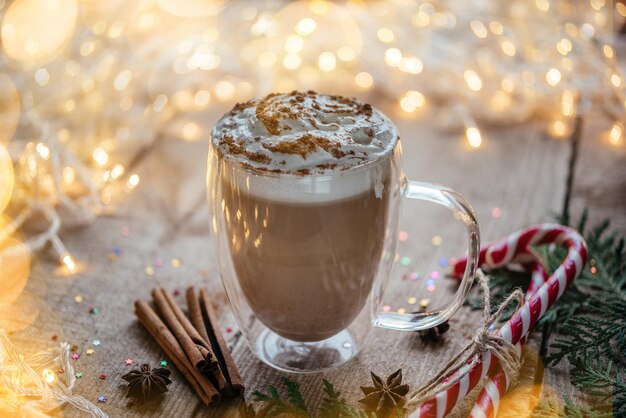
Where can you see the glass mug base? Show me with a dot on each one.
(305, 357)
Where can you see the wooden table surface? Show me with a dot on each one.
(517, 169)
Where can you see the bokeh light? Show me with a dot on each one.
(27, 33)
(7, 178)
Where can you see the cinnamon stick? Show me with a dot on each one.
(195, 313)
(225, 359)
(207, 363)
(195, 348)
(168, 343)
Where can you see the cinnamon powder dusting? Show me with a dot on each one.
(305, 145)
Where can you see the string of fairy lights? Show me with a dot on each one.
(87, 86)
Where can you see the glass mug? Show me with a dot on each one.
(304, 270)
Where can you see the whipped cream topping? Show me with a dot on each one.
(304, 133)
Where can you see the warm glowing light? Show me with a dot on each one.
(420, 19)
(100, 156)
(553, 76)
(474, 138)
(266, 59)
(478, 28)
(191, 131)
(558, 128)
(292, 61)
(543, 5)
(587, 31)
(608, 51)
(564, 46)
(346, 53)
(117, 171)
(319, 7)
(69, 174)
(69, 262)
(294, 44)
(501, 100)
(620, 8)
(305, 26)
(42, 76)
(385, 35)
(411, 65)
(122, 80)
(191, 8)
(568, 103)
(472, 80)
(508, 48)
(507, 85)
(364, 80)
(327, 61)
(133, 181)
(412, 100)
(615, 135)
(224, 89)
(616, 80)
(9, 108)
(35, 30)
(7, 177)
(393, 57)
(496, 27)
(43, 150)
(49, 376)
(202, 98)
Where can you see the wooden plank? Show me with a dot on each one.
(516, 170)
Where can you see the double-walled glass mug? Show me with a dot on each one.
(305, 255)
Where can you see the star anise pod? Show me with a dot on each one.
(385, 398)
(146, 382)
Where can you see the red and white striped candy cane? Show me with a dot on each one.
(520, 324)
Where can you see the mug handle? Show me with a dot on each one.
(462, 211)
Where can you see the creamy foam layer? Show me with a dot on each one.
(313, 139)
(304, 133)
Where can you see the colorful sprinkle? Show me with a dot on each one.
(431, 288)
(593, 270)
(102, 399)
(424, 303)
(386, 308)
(125, 231)
(434, 274)
(112, 257)
(405, 261)
(412, 300)
(94, 311)
(117, 251)
(496, 212)
(229, 330)
(102, 376)
(401, 311)
(403, 236)
(176, 262)
(128, 361)
(78, 374)
(74, 347)
(415, 275)
(75, 356)
(176, 292)
(90, 351)
(149, 271)
(396, 257)
(158, 262)
(443, 262)
(430, 282)
(436, 240)
(163, 363)
(95, 343)
(78, 298)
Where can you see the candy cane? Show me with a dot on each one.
(520, 324)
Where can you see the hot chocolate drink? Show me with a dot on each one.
(305, 194)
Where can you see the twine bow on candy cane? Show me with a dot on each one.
(485, 340)
(543, 292)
